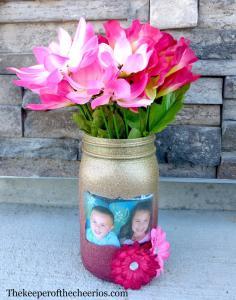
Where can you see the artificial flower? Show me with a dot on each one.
(133, 266)
(59, 59)
(160, 247)
(127, 67)
(50, 101)
(176, 81)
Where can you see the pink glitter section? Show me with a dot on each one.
(97, 259)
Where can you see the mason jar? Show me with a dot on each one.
(118, 197)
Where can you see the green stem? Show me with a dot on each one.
(140, 120)
(105, 121)
(126, 124)
(89, 108)
(88, 112)
(82, 111)
(147, 119)
(115, 124)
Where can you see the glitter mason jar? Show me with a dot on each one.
(118, 197)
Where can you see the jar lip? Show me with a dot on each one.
(118, 142)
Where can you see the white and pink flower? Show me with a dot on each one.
(131, 67)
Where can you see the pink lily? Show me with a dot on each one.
(176, 81)
(79, 52)
(49, 101)
(137, 34)
(113, 88)
(123, 51)
(97, 84)
(160, 246)
(181, 56)
(36, 78)
(59, 59)
(123, 57)
(86, 83)
(137, 98)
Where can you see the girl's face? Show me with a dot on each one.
(140, 223)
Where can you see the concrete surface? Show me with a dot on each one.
(39, 250)
(175, 193)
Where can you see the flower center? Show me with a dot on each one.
(134, 266)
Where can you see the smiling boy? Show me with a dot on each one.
(101, 225)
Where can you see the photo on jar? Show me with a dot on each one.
(116, 222)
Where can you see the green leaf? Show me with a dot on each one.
(134, 133)
(98, 121)
(82, 122)
(120, 124)
(161, 114)
(102, 133)
(179, 94)
(111, 125)
(168, 117)
(142, 119)
(132, 119)
(145, 133)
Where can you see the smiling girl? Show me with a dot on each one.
(138, 226)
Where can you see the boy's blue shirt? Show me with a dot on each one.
(109, 239)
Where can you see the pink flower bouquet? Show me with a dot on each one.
(128, 83)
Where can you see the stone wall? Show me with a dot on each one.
(201, 142)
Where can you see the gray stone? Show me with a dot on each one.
(64, 10)
(186, 170)
(11, 124)
(30, 97)
(229, 110)
(10, 94)
(230, 87)
(66, 149)
(55, 124)
(205, 91)
(138, 9)
(22, 37)
(199, 115)
(217, 14)
(215, 67)
(36, 167)
(15, 60)
(173, 13)
(227, 168)
(229, 136)
(210, 43)
(189, 144)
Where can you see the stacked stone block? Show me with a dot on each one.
(202, 140)
(228, 163)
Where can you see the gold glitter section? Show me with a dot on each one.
(119, 168)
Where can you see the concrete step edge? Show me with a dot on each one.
(175, 193)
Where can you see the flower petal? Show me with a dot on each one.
(65, 41)
(135, 103)
(54, 61)
(113, 31)
(40, 53)
(102, 100)
(122, 50)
